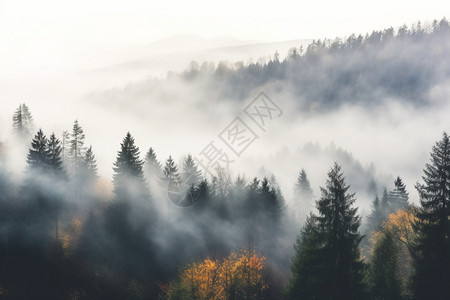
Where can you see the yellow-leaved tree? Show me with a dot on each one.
(238, 276)
(399, 227)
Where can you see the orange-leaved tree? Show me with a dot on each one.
(238, 276)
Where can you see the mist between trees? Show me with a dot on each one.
(64, 236)
(161, 229)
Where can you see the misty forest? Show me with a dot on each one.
(311, 223)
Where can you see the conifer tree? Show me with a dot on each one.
(383, 276)
(152, 165)
(385, 204)
(90, 164)
(54, 157)
(307, 267)
(331, 253)
(128, 177)
(372, 188)
(398, 197)
(76, 150)
(303, 197)
(273, 182)
(65, 145)
(171, 170)
(38, 158)
(339, 224)
(432, 252)
(191, 175)
(23, 121)
(376, 217)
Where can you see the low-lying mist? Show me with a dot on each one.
(373, 104)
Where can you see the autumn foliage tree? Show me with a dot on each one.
(238, 276)
(390, 267)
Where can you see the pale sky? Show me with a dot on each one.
(53, 27)
(47, 38)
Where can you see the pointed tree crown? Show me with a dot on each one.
(23, 121)
(128, 162)
(38, 157)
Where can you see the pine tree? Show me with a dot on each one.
(191, 175)
(385, 204)
(23, 121)
(152, 165)
(383, 276)
(38, 158)
(339, 224)
(128, 174)
(303, 197)
(90, 164)
(171, 170)
(327, 254)
(65, 145)
(376, 217)
(54, 157)
(372, 188)
(432, 252)
(398, 197)
(202, 195)
(272, 205)
(76, 150)
(307, 267)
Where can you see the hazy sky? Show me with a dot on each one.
(48, 32)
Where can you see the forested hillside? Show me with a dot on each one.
(163, 228)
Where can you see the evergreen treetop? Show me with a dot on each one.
(432, 251)
(23, 121)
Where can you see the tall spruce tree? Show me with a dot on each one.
(307, 266)
(339, 224)
(38, 158)
(191, 175)
(76, 150)
(128, 177)
(372, 188)
(303, 197)
(398, 197)
(432, 252)
(376, 216)
(385, 204)
(334, 246)
(152, 165)
(23, 121)
(54, 157)
(171, 170)
(65, 146)
(90, 164)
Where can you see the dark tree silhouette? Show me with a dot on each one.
(334, 240)
(128, 174)
(38, 158)
(432, 257)
(383, 275)
(54, 157)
